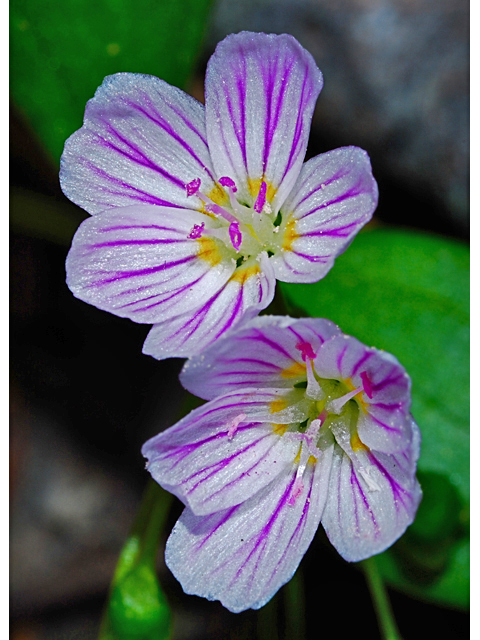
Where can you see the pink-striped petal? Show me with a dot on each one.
(384, 422)
(224, 452)
(138, 262)
(249, 290)
(334, 196)
(372, 498)
(142, 141)
(260, 94)
(263, 354)
(243, 555)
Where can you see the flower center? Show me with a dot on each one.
(247, 231)
(333, 406)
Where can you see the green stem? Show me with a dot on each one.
(378, 593)
(151, 516)
(294, 594)
(267, 621)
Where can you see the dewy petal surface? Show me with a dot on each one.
(243, 555)
(247, 525)
(334, 196)
(372, 498)
(263, 354)
(232, 164)
(142, 141)
(248, 291)
(139, 263)
(260, 92)
(221, 453)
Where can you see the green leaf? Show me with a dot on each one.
(44, 217)
(61, 51)
(407, 293)
(431, 558)
(451, 588)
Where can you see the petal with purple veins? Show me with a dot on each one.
(371, 500)
(385, 429)
(243, 555)
(334, 196)
(261, 354)
(138, 262)
(248, 291)
(260, 94)
(142, 141)
(222, 453)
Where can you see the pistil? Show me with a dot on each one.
(250, 229)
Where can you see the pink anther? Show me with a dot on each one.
(306, 350)
(225, 181)
(260, 201)
(297, 491)
(196, 232)
(235, 235)
(367, 384)
(233, 425)
(193, 186)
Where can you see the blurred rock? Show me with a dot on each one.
(396, 81)
(69, 519)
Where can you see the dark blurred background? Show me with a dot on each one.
(84, 398)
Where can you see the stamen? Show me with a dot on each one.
(228, 182)
(313, 390)
(306, 350)
(367, 384)
(244, 214)
(192, 187)
(235, 235)
(262, 194)
(196, 231)
(311, 449)
(335, 406)
(298, 485)
(233, 425)
(311, 435)
(211, 207)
